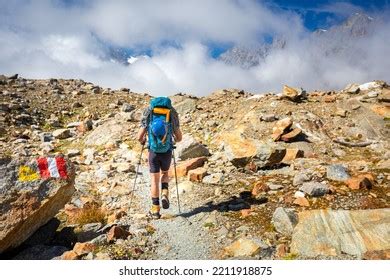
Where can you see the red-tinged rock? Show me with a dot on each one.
(330, 98)
(291, 135)
(292, 154)
(197, 175)
(117, 232)
(83, 248)
(183, 167)
(377, 255)
(288, 199)
(259, 187)
(301, 201)
(280, 128)
(361, 181)
(281, 251)
(69, 255)
(246, 212)
(85, 126)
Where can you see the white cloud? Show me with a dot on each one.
(42, 39)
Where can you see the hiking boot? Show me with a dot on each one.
(165, 199)
(154, 212)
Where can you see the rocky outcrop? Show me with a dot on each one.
(334, 232)
(106, 133)
(190, 148)
(29, 198)
(240, 151)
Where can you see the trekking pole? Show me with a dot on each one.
(136, 175)
(177, 188)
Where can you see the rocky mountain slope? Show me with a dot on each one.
(258, 174)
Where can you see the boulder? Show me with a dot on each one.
(197, 174)
(117, 232)
(334, 232)
(292, 154)
(360, 181)
(293, 94)
(384, 96)
(280, 128)
(185, 187)
(301, 178)
(284, 220)
(293, 134)
(301, 201)
(188, 105)
(85, 126)
(31, 195)
(107, 132)
(337, 172)
(314, 188)
(213, 179)
(243, 247)
(183, 168)
(269, 155)
(377, 255)
(268, 118)
(352, 88)
(371, 86)
(127, 108)
(238, 150)
(62, 133)
(83, 248)
(190, 148)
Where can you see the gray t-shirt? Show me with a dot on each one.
(174, 119)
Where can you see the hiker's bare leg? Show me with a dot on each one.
(155, 185)
(164, 177)
(164, 189)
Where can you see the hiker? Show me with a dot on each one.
(160, 122)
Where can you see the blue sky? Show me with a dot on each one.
(316, 14)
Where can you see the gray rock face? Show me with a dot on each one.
(108, 132)
(62, 133)
(314, 189)
(186, 106)
(215, 178)
(190, 148)
(333, 232)
(28, 201)
(337, 172)
(284, 220)
(126, 107)
(268, 155)
(301, 178)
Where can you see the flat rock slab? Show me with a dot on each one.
(333, 232)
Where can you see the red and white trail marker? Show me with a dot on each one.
(52, 167)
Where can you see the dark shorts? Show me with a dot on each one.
(159, 161)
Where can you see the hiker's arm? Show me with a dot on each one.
(176, 126)
(142, 135)
(178, 135)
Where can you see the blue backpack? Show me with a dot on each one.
(160, 126)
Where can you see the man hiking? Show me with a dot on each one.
(160, 122)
